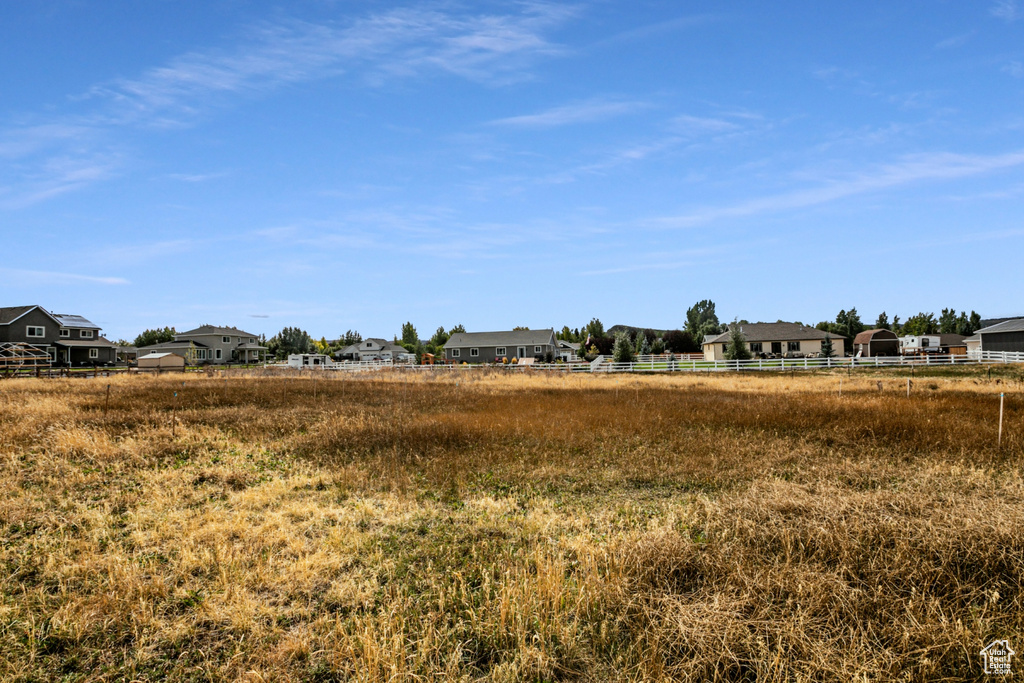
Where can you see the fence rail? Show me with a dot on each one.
(650, 364)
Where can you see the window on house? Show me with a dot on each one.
(536, 349)
(33, 331)
(499, 351)
(219, 354)
(86, 334)
(225, 340)
(455, 353)
(474, 352)
(94, 353)
(755, 347)
(65, 333)
(793, 346)
(251, 340)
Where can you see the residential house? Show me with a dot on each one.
(1005, 336)
(786, 340)
(568, 350)
(491, 347)
(919, 344)
(70, 340)
(879, 342)
(376, 349)
(211, 344)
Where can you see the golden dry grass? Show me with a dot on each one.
(500, 527)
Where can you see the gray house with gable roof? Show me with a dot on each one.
(491, 347)
(212, 344)
(69, 340)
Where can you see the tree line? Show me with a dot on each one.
(620, 341)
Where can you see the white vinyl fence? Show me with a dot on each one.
(666, 363)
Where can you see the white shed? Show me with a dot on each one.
(162, 361)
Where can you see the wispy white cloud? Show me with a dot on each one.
(54, 176)
(22, 276)
(1015, 69)
(59, 155)
(400, 43)
(1007, 10)
(955, 41)
(702, 125)
(918, 168)
(196, 177)
(577, 112)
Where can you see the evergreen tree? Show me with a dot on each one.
(623, 351)
(737, 347)
(827, 351)
(947, 321)
(458, 329)
(702, 320)
(638, 343)
(409, 337)
(290, 340)
(658, 347)
(595, 328)
(157, 336)
(645, 347)
(975, 323)
(883, 321)
(896, 326)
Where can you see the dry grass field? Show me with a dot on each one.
(509, 528)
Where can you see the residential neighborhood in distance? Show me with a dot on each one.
(72, 340)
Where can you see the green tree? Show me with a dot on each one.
(288, 341)
(439, 339)
(882, 323)
(848, 324)
(947, 321)
(702, 320)
(827, 351)
(623, 351)
(973, 324)
(737, 346)
(658, 347)
(922, 323)
(351, 337)
(458, 329)
(896, 326)
(157, 336)
(519, 327)
(595, 328)
(409, 337)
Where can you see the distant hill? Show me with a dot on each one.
(989, 322)
(615, 329)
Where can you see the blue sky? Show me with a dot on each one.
(355, 164)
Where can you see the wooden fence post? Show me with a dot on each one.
(999, 442)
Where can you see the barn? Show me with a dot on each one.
(878, 342)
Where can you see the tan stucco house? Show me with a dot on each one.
(787, 340)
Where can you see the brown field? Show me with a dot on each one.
(499, 528)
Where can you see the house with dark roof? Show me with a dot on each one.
(878, 342)
(1005, 336)
(784, 340)
(212, 344)
(69, 340)
(492, 347)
